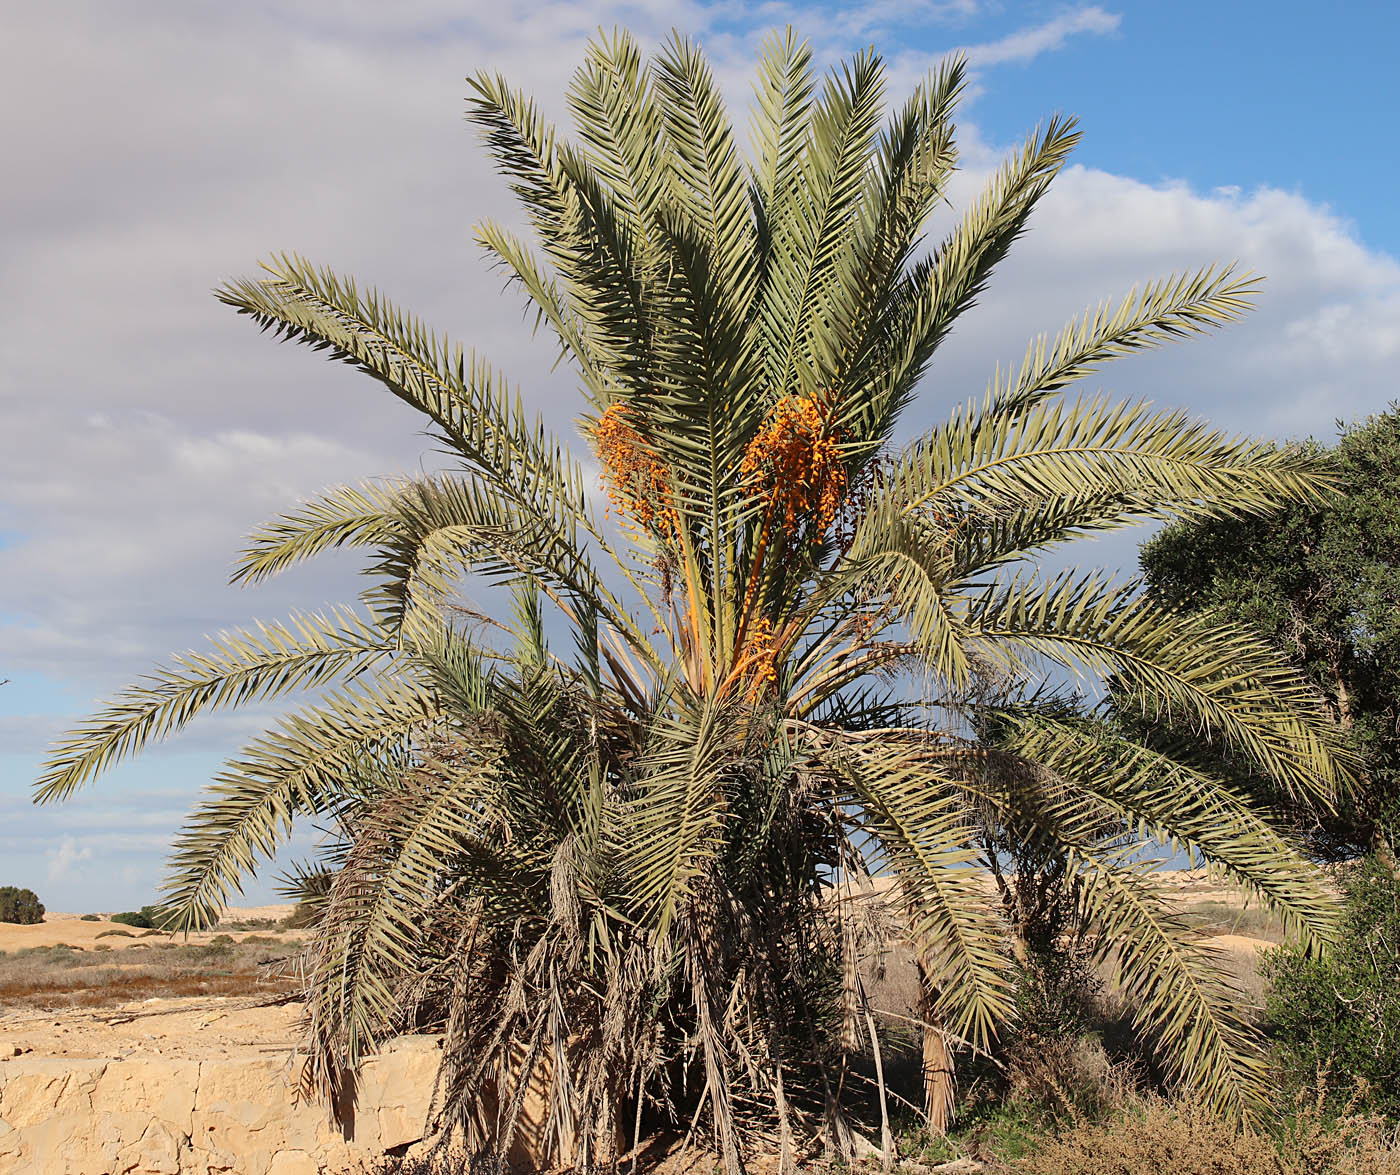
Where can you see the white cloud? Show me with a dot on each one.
(1029, 43)
(65, 860)
(1320, 344)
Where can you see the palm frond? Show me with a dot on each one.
(674, 829)
(353, 516)
(1182, 1001)
(579, 227)
(1218, 677)
(990, 462)
(937, 291)
(1168, 801)
(243, 666)
(373, 925)
(709, 180)
(810, 221)
(916, 819)
(1164, 311)
(783, 93)
(299, 768)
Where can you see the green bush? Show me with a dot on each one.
(91, 918)
(304, 915)
(20, 905)
(1339, 1016)
(136, 918)
(146, 918)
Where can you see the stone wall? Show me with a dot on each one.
(234, 1114)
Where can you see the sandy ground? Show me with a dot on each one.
(191, 1027)
(72, 930)
(188, 1027)
(1239, 944)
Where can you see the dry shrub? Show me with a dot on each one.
(1159, 1137)
(1217, 917)
(1354, 1142)
(452, 1160)
(1069, 1077)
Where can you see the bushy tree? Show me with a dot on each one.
(20, 905)
(1321, 581)
(618, 871)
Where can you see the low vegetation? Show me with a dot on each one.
(146, 918)
(251, 924)
(1154, 1136)
(1339, 1013)
(59, 976)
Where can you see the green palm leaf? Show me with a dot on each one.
(246, 665)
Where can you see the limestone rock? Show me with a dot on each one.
(166, 1116)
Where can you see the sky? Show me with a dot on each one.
(152, 150)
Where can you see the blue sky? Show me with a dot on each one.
(158, 149)
(1292, 96)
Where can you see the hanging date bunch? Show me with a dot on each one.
(635, 478)
(796, 457)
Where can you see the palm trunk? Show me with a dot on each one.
(939, 1084)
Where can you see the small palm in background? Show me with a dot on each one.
(614, 865)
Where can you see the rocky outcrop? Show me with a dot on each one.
(233, 1114)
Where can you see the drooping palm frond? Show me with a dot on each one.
(621, 874)
(919, 822)
(1184, 808)
(1223, 680)
(297, 770)
(1183, 1000)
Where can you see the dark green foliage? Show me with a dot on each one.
(1322, 583)
(20, 905)
(1340, 1014)
(1056, 996)
(91, 918)
(146, 918)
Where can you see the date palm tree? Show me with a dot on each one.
(617, 874)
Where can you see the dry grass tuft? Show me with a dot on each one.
(1220, 917)
(1072, 1078)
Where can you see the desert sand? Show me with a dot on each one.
(56, 929)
